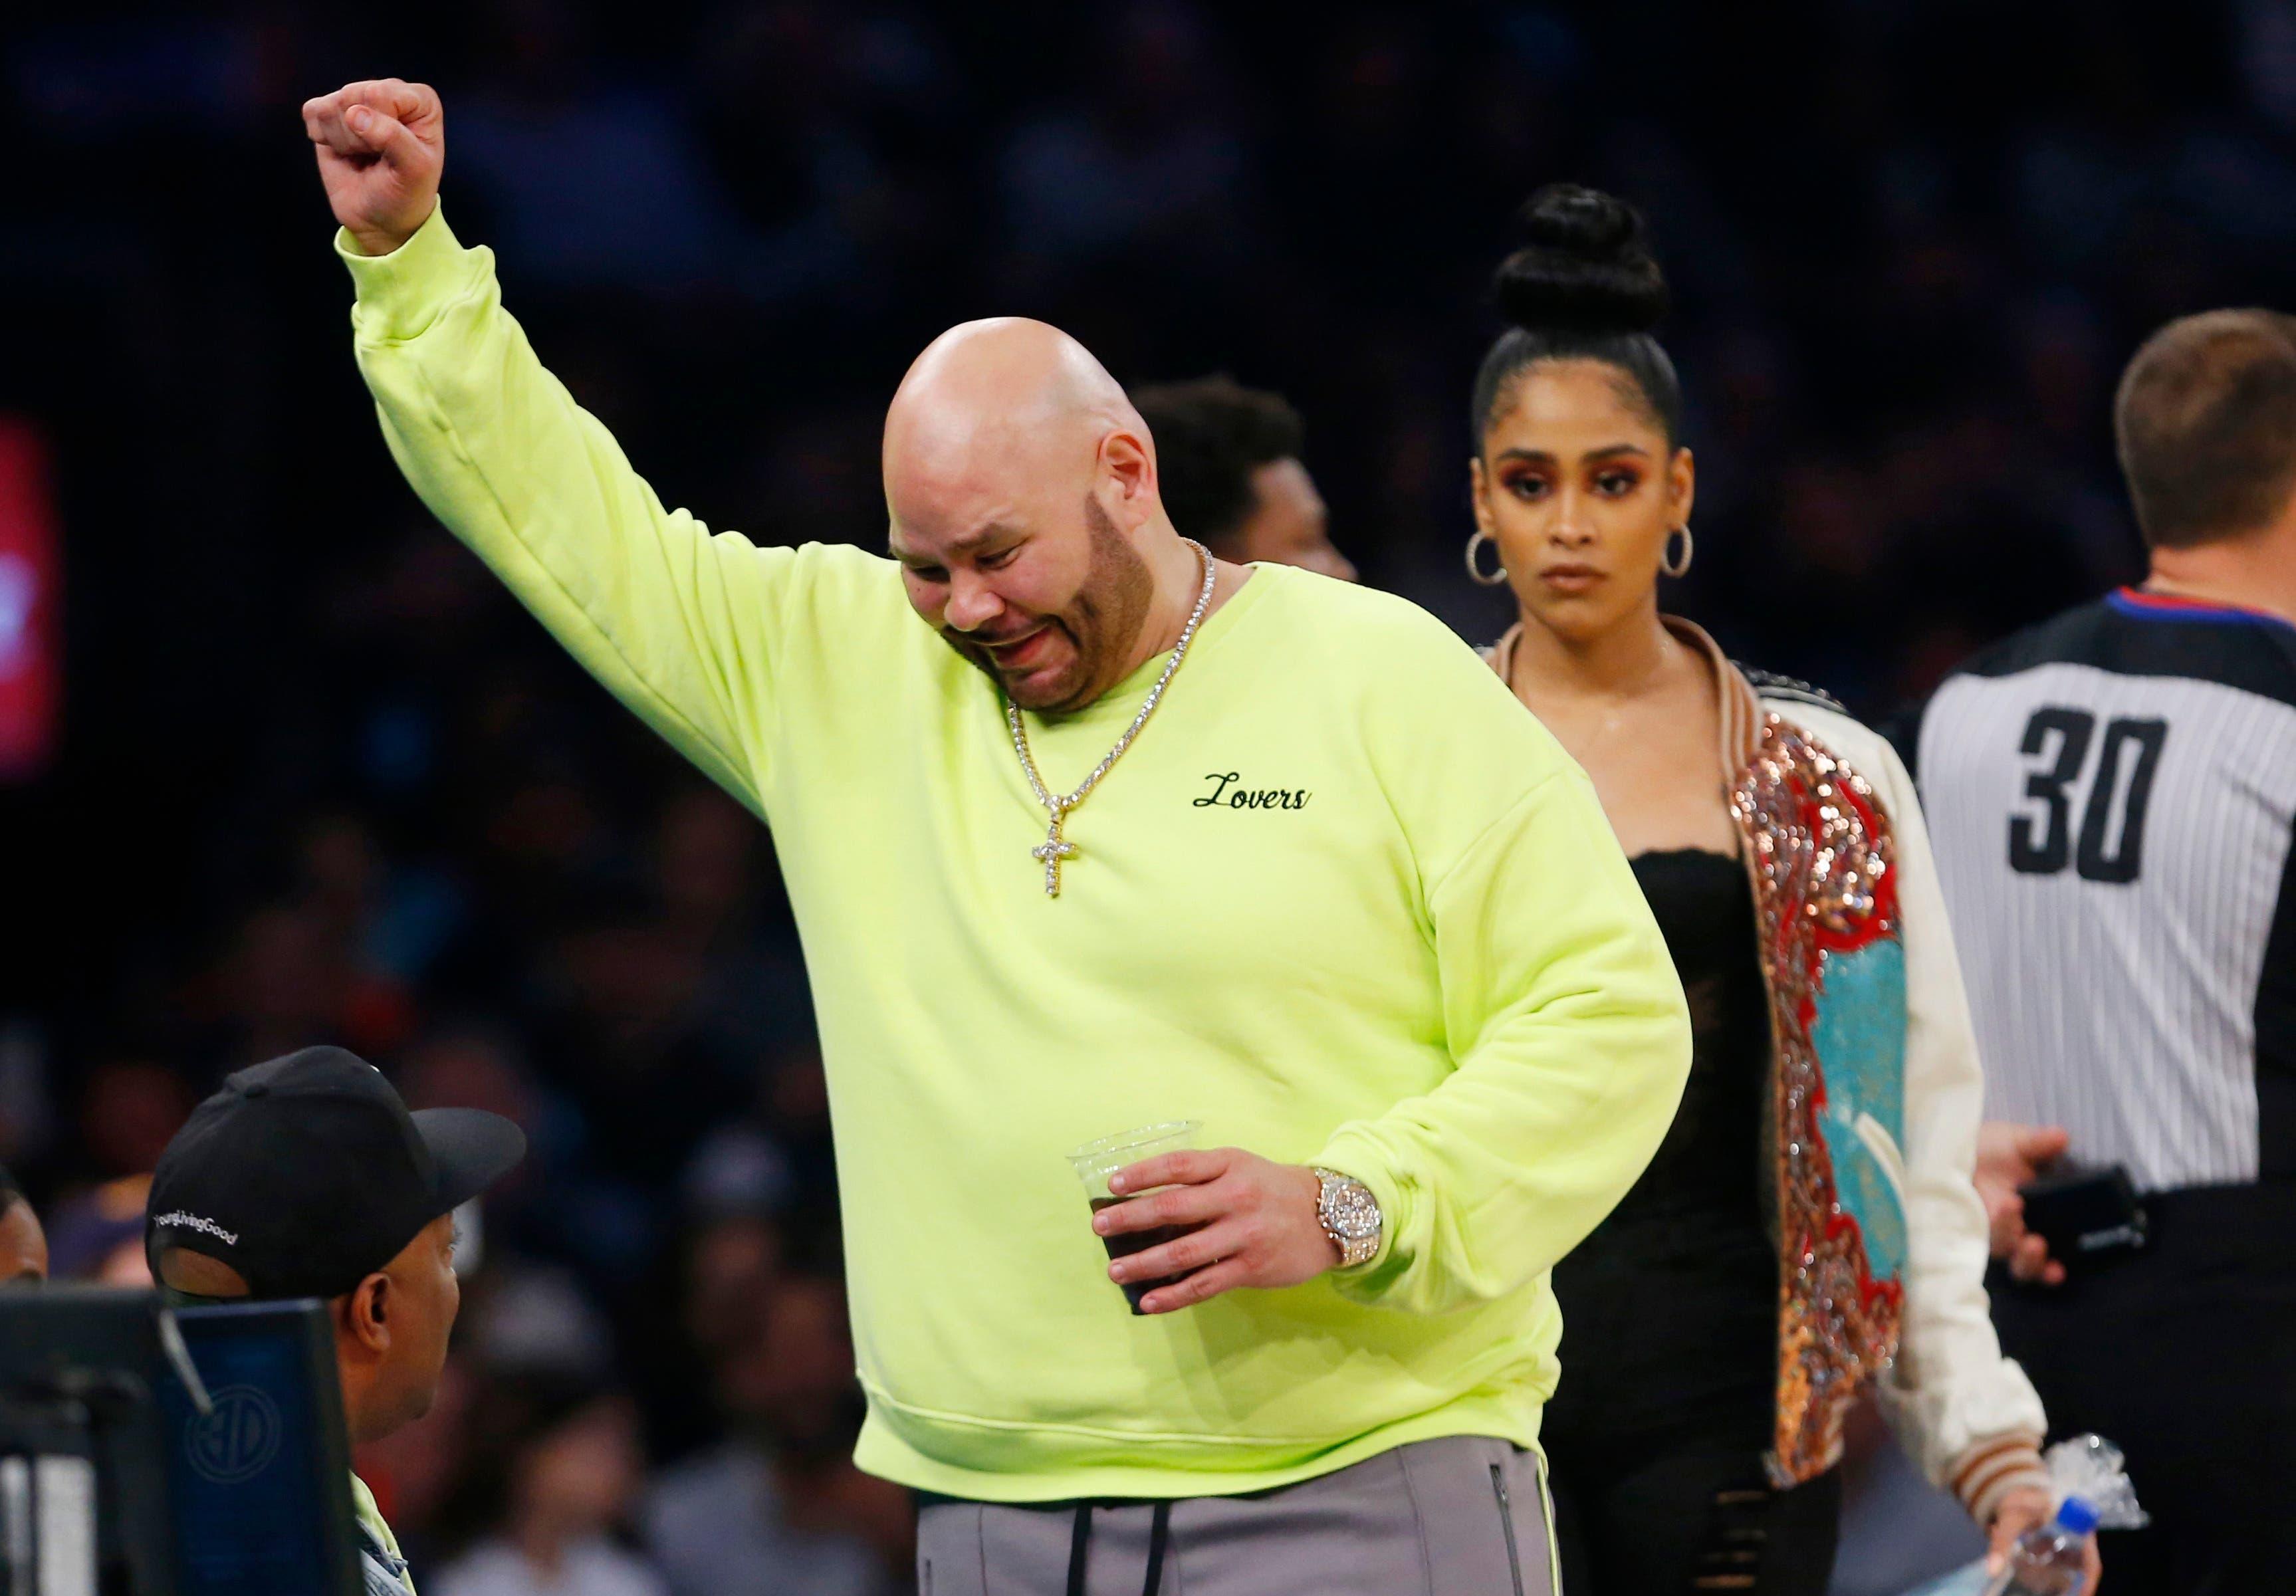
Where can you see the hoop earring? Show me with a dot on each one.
(1668, 564)
(1497, 578)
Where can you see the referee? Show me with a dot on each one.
(308, 1177)
(2110, 795)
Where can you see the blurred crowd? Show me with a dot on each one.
(320, 780)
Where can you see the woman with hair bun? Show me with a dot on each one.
(1808, 1229)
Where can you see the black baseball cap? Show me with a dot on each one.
(307, 1174)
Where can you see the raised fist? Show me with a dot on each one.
(380, 146)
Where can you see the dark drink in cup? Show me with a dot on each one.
(1096, 1161)
(1125, 1243)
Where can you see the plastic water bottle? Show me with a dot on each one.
(2046, 1559)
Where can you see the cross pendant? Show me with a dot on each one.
(1052, 851)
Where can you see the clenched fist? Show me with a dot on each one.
(380, 146)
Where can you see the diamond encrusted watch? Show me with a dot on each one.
(1351, 1216)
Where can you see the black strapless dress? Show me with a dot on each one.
(1669, 1309)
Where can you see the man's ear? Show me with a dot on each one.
(366, 1313)
(1131, 461)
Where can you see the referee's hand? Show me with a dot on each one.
(2010, 1156)
(380, 145)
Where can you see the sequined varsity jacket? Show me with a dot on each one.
(1875, 1096)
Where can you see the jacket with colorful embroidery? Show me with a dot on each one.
(1875, 1097)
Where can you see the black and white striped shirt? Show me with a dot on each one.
(2111, 796)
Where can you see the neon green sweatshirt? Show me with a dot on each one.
(1343, 902)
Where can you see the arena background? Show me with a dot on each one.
(282, 765)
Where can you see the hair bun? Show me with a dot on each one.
(1587, 266)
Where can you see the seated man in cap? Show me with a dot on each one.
(306, 1176)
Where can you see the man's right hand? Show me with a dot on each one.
(380, 146)
(2008, 1157)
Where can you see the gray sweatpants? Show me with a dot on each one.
(1456, 1517)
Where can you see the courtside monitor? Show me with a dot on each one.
(242, 1486)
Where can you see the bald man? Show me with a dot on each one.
(1086, 831)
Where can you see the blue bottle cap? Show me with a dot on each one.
(2075, 1514)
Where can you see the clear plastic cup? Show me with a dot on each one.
(1096, 1161)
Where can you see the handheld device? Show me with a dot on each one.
(2086, 1215)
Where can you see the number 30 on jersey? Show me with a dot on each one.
(2107, 843)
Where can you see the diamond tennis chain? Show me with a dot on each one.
(1054, 848)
